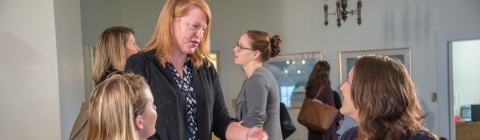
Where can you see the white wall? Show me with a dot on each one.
(98, 15)
(142, 17)
(70, 62)
(466, 76)
(29, 95)
(386, 24)
(41, 68)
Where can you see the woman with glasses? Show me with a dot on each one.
(258, 103)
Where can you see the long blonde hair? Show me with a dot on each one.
(163, 40)
(387, 101)
(113, 107)
(110, 51)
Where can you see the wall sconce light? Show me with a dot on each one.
(341, 11)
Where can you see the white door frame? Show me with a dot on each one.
(444, 86)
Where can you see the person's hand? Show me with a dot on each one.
(256, 133)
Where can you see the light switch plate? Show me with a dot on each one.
(234, 102)
(434, 97)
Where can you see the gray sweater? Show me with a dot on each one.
(258, 103)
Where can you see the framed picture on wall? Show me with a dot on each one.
(291, 71)
(347, 59)
(214, 59)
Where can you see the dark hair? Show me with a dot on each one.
(386, 98)
(319, 75)
(261, 41)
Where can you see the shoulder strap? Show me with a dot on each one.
(319, 91)
(147, 67)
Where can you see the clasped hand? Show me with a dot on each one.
(255, 133)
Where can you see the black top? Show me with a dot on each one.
(352, 134)
(109, 74)
(338, 101)
(171, 123)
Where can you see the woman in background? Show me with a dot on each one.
(258, 103)
(319, 80)
(114, 46)
(380, 95)
(121, 108)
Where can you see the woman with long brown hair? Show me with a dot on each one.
(380, 95)
(319, 78)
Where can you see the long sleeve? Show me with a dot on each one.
(221, 117)
(256, 96)
(258, 103)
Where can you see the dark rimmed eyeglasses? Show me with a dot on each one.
(241, 48)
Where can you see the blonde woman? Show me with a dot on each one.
(121, 108)
(114, 46)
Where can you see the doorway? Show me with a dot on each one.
(465, 73)
(451, 83)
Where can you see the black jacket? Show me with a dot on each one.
(212, 115)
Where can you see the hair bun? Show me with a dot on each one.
(275, 45)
